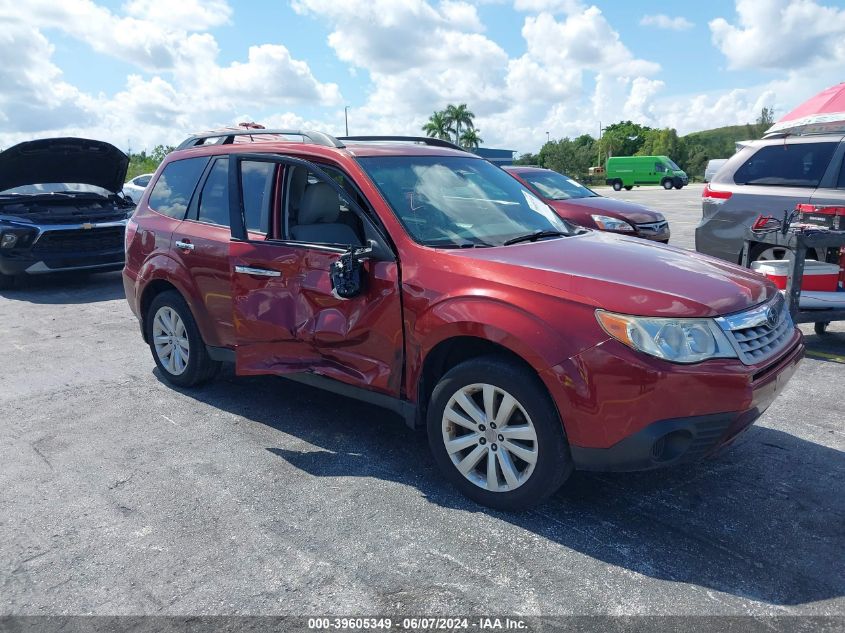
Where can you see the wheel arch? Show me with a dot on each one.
(452, 351)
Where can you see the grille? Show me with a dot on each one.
(760, 333)
(73, 240)
(653, 227)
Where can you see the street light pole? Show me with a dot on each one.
(346, 118)
(547, 137)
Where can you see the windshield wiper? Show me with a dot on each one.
(533, 237)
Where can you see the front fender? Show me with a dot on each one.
(541, 343)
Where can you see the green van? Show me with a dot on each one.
(627, 171)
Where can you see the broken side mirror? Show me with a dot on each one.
(347, 280)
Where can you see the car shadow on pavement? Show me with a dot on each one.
(764, 521)
(67, 288)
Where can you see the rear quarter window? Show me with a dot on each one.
(786, 165)
(175, 187)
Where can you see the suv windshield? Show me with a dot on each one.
(555, 186)
(456, 201)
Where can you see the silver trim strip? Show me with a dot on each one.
(259, 272)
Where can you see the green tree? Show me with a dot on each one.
(438, 127)
(458, 116)
(766, 118)
(470, 139)
(623, 139)
(528, 159)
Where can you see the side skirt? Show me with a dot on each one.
(405, 409)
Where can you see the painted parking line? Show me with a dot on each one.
(836, 358)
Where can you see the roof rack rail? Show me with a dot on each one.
(228, 137)
(425, 140)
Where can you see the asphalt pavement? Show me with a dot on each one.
(122, 495)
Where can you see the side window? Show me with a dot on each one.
(175, 186)
(786, 165)
(142, 181)
(659, 168)
(841, 182)
(316, 214)
(213, 205)
(257, 184)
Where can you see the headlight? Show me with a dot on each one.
(675, 340)
(607, 223)
(8, 240)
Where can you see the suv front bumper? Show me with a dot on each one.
(623, 411)
(97, 247)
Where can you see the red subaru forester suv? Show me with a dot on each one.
(424, 279)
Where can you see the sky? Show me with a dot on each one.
(138, 73)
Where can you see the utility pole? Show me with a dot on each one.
(346, 118)
(547, 137)
(599, 144)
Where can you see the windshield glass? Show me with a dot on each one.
(452, 201)
(58, 187)
(555, 186)
(672, 164)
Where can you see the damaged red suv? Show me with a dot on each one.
(423, 279)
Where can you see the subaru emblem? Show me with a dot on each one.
(772, 317)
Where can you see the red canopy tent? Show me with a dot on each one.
(823, 113)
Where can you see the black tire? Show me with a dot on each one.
(629, 187)
(679, 185)
(617, 185)
(667, 184)
(553, 463)
(7, 282)
(199, 367)
(821, 327)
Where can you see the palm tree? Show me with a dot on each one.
(457, 117)
(438, 127)
(470, 139)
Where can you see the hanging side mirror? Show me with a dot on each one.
(345, 273)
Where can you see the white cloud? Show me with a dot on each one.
(190, 15)
(548, 6)
(779, 34)
(180, 84)
(663, 21)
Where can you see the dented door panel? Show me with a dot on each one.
(295, 323)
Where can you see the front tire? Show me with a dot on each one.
(176, 343)
(668, 184)
(496, 435)
(617, 185)
(629, 187)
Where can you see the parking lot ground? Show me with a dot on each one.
(122, 495)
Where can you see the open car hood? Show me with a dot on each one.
(65, 160)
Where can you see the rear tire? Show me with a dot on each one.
(7, 282)
(821, 327)
(617, 185)
(667, 184)
(175, 342)
(501, 394)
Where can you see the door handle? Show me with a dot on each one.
(185, 246)
(258, 272)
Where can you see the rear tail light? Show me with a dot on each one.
(717, 197)
(131, 229)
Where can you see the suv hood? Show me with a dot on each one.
(70, 160)
(627, 275)
(628, 211)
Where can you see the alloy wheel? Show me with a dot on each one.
(170, 339)
(489, 437)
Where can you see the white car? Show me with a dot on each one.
(133, 189)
